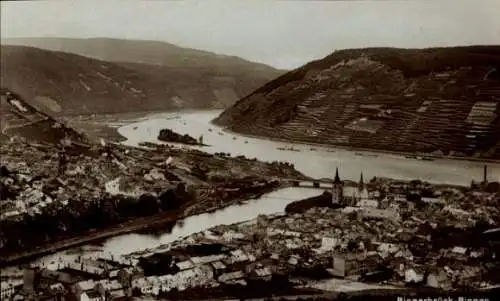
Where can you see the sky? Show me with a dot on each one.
(284, 34)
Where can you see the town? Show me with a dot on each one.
(250, 150)
(383, 234)
(53, 199)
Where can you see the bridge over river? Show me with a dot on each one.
(312, 183)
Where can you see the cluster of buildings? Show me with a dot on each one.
(84, 279)
(357, 242)
(370, 239)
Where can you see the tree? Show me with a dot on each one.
(169, 200)
(126, 207)
(147, 205)
(493, 187)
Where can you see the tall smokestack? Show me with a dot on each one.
(485, 176)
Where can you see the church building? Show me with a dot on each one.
(352, 196)
(337, 189)
(361, 193)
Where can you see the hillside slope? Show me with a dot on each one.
(19, 119)
(442, 100)
(66, 83)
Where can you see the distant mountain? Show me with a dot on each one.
(20, 119)
(150, 53)
(441, 100)
(105, 75)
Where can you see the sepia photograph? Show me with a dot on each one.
(250, 150)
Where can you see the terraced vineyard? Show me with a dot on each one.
(442, 101)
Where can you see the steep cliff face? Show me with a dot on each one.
(67, 84)
(443, 100)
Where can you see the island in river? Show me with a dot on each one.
(167, 135)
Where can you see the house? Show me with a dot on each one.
(231, 277)
(292, 244)
(7, 290)
(238, 256)
(87, 267)
(91, 296)
(230, 236)
(113, 274)
(388, 248)
(351, 264)
(457, 253)
(58, 276)
(340, 266)
(117, 294)
(384, 214)
(367, 203)
(207, 259)
(327, 244)
(185, 265)
(263, 273)
(270, 231)
(293, 260)
(439, 279)
(31, 279)
(142, 284)
(218, 266)
(433, 200)
(84, 285)
(412, 275)
(106, 287)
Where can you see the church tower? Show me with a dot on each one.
(337, 189)
(362, 192)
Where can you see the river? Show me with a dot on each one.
(318, 163)
(269, 203)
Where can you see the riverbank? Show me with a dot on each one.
(167, 219)
(131, 226)
(354, 149)
(109, 132)
(301, 206)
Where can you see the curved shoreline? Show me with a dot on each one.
(349, 148)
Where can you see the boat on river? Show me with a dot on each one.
(366, 155)
(423, 158)
(291, 148)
